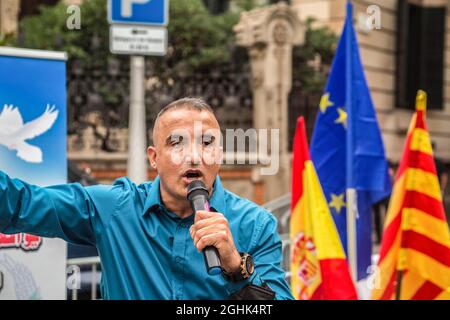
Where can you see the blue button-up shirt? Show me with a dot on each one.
(146, 251)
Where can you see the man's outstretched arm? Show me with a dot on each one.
(64, 211)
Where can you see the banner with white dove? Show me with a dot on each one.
(33, 148)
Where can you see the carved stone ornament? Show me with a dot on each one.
(280, 34)
(9, 14)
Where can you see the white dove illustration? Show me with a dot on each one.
(14, 133)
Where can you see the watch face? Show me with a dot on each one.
(249, 265)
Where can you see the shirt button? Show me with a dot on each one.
(178, 259)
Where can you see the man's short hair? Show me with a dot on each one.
(189, 103)
(183, 103)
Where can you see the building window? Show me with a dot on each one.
(217, 6)
(275, 1)
(420, 54)
(31, 7)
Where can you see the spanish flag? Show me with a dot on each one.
(318, 264)
(414, 258)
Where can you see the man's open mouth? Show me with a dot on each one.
(193, 174)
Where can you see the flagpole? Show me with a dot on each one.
(351, 191)
(398, 287)
(351, 232)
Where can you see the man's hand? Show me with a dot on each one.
(212, 229)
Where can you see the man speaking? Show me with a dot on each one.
(149, 239)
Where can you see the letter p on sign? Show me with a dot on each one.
(127, 7)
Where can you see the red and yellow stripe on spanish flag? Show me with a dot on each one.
(415, 250)
(318, 264)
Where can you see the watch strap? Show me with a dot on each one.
(242, 273)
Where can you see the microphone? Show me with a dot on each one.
(199, 198)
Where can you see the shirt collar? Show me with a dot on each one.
(154, 197)
(217, 201)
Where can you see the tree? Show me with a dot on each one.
(198, 40)
(313, 59)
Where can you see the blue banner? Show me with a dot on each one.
(33, 138)
(33, 132)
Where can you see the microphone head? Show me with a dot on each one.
(196, 187)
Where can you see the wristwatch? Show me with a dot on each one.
(246, 269)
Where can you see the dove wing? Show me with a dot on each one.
(29, 153)
(39, 125)
(10, 119)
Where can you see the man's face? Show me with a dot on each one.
(186, 148)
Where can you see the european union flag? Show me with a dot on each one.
(347, 148)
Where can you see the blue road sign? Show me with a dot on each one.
(149, 12)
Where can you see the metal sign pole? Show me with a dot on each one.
(137, 139)
(138, 28)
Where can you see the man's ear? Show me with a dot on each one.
(151, 153)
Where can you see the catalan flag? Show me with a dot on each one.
(414, 258)
(318, 264)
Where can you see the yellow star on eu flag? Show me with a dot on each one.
(342, 117)
(337, 202)
(325, 102)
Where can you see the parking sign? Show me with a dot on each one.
(148, 12)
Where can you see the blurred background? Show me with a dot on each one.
(219, 51)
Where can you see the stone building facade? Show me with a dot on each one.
(9, 16)
(379, 53)
(378, 49)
